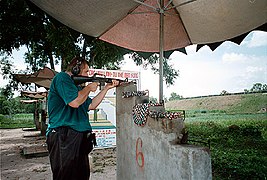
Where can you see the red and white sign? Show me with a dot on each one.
(105, 137)
(116, 73)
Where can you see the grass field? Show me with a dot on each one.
(238, 142)
(16, 121)
(236, 128)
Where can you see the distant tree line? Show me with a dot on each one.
(9, 105)
(175, 96)
(256, 88)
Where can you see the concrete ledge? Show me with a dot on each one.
(152, 151)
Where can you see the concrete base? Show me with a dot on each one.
(152, 151)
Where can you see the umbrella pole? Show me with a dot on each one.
(161, 50)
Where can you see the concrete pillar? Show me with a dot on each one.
(153, 151)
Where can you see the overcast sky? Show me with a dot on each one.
(230, 67)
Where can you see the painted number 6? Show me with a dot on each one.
(139, 154)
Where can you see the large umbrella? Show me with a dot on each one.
(158, 26)
(35, 95)
(42, 78)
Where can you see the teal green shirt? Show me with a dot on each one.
(62, 92)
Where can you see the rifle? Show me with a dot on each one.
(78, 79)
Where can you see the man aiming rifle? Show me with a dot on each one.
(78, 79)
(69, 133)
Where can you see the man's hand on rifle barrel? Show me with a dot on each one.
(114, 83)
(93, 86)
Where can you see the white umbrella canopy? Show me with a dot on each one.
(130, 24)
(157, 26)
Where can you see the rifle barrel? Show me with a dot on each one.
(82, 79)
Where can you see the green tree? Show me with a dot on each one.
(23, 24)
(6, 70)
(224, 92)
(258, 87)
(169, 73)
(246, 91)
(3, 104)
(175, 96)
(9, 105)
(153, 99)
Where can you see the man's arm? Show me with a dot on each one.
(100, 96)
(83, 94)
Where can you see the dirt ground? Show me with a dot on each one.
(16, 166)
